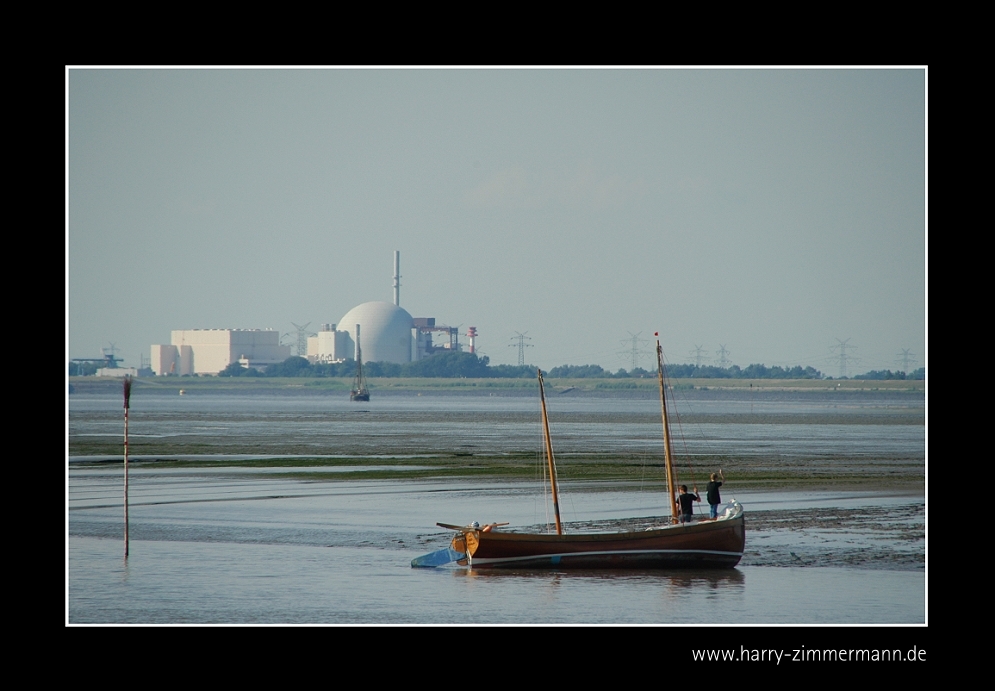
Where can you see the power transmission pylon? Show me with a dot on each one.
(634, 351)
(698, 356)
(905, 359)
(522, 345)
(302, 335)
(110, 355)
(844, 359)
(723, 360)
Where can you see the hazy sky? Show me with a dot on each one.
(772, 211)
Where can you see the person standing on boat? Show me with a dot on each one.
(712, 494)
(687, 503)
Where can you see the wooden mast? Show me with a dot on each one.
(127, 406)
(666, 434)
(549, 456)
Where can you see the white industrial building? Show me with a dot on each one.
(208, 351)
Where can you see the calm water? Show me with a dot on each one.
(223, 545)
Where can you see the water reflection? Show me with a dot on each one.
(678, 578)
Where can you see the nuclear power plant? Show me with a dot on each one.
(387, 332)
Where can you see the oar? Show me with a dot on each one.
(433, 559)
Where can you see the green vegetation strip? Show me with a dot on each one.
(750, 473)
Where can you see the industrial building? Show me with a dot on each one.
(208, 351)
(388, 333)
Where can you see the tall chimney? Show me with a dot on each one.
(397, 277)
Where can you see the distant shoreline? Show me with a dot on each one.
(328, 385)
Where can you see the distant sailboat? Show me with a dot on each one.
(359, 390)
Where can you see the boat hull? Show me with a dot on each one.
(706, 544)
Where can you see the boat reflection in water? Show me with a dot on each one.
(676, 580)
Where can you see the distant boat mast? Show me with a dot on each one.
(397, 277)
(359, 390)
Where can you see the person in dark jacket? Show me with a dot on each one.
(687, 503)
(712, 494)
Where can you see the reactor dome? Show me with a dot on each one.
(385, 331)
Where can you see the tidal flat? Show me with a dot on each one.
(869, 440)
(833, 488)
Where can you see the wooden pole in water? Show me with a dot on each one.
(666, 433)
(549, 456)
(127, 405)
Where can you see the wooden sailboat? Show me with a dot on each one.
(359, 391)
(706, 544)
